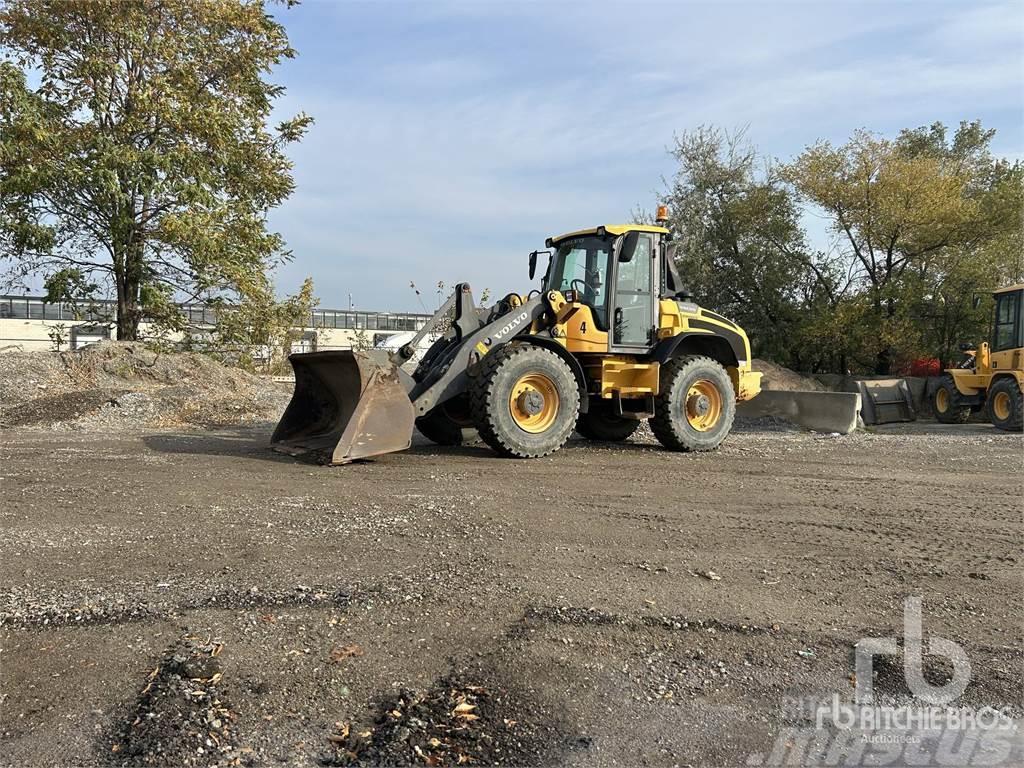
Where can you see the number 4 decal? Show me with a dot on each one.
(583, 327)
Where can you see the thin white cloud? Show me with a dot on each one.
(453, 157)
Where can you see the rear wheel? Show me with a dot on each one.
(524, 401)
(696, 405)
(947, 402)
(449, 423)
(1005, 405)
(601, 423)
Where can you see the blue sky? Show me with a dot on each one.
(452, 138)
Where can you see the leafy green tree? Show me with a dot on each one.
(71, 287)
(741, 248)
(134, 148)
(921, 220)
(990, 252)
(262, 327)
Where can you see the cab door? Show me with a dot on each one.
(1008, 331)
(634, 318)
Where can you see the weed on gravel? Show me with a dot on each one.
(181, 716)
(456, 722)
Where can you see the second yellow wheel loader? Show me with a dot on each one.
(992, 376)
(610, 339)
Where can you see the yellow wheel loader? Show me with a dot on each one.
(610, 339)
(992, 376)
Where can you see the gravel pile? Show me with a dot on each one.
(118, 385)
(777, 377)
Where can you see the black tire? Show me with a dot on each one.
(1006, 406)
(449, 423)
(599, 423)
(675, 412)
(947, 402)
(491, 391)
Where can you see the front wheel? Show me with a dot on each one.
(947, 402)
(524, 401)
(696, 404)
(1006, 406)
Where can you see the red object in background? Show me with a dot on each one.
(926, 366)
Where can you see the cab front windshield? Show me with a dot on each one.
(581, 264)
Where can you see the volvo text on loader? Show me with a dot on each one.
(610, 339)
(993, 374)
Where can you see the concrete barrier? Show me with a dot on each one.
(821, 411)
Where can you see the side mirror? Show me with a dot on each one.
(626, 246)
(533, 264)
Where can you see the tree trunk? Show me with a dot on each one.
(128, 322)
(128, 271)
(128, 327)
(883, 362)
(119, 286)
(884, 311)
(132, 250)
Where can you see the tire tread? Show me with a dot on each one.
(480, 395)
(959, 413)
(661, 423)
(1016, 421)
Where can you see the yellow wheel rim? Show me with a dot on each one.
(703, 405)
(942, 400)
(534, 403)
(1001, 406)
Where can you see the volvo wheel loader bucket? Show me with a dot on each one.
(346, 406)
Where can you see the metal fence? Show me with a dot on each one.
(35, 308)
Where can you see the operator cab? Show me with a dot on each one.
(619, 273)
(1007, 347)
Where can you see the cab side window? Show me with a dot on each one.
(634, 310)
(1007, 314)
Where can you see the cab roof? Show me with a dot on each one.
(611, 229)
(1008, 288)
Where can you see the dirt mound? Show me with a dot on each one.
(125, 384)
(181, 716)
(66, 407)
(777, 377)
(453, 723)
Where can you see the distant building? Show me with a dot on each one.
(28, 323)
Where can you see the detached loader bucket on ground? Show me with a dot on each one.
(346, 406)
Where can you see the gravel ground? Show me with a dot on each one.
(175, 597)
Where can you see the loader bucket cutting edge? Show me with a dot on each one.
(346, 406)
